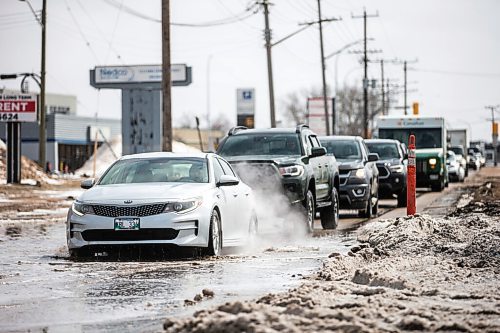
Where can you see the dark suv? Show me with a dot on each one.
(391, 168)
(358, 173)
(291, 161)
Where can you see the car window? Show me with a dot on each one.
(286, 144)
(227, 168)
(142, 170)
(343, 149)
(218, 171)
(314, 141)
(385, 150)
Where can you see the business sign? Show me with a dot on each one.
(245, 101)
(18, 108)
(315, 117)
(138, 74)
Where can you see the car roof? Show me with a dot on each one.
(264, 131)
(382, 141)
(340, 137)
(165, 154)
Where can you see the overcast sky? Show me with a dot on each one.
(456, 42)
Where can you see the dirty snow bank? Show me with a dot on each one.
(416, 273)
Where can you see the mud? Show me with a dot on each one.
(435, 274)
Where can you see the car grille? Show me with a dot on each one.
(421, 166)
(129, 235)
(383, 172)
(139, 211)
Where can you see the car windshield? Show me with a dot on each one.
(342, 149)
(426, 138)
(385, 150)
(458, 150)
(141, 170)
(286, 144)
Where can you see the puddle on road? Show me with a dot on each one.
(40, 287)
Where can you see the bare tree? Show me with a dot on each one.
(221, 123)
(349, 105)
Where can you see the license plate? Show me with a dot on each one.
(127, 224)
(434, 177)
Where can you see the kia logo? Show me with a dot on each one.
(127, 201)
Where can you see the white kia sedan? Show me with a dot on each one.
(189, 200)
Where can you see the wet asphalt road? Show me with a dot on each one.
(41, 289)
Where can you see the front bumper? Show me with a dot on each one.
(395, 183)
(350, 197)
(190, 229)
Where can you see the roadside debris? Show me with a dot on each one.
(412, 273)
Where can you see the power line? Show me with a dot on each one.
(228, 20)
(444, 72)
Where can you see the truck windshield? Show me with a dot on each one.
(425, 137)
(384, 150)
(458, 150)
(283, 144)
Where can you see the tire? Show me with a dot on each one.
(374, 211)
(402, 199)
(467, 172)
(367, 212)
(214, 235)
(330, 215)
(79, 253)
(438, 187)
(253, 228)
(309, 211)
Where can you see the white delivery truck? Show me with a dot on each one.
(430, 135)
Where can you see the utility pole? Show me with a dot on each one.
(382, 85)
(365, 79)
(325, 102)
(494, 131)
(42, 130)
(405, 90)
(166, 77)
(323, 67)
(388, 93)
(267, 35)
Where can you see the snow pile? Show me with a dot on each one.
(413, 273)
(105, 156)
(31, 173)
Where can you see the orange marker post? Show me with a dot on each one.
(411, 182)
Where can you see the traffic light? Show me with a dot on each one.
(415, 108)
(494, 128)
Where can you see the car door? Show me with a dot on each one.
(322, 169)
(224, 199)
(237, 196)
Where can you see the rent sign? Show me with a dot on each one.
(18, 108)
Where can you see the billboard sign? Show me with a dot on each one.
(245, 101)
(18, 108)
(315, 117)
(138, 74)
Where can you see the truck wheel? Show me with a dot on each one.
(402, 200)
(309, 211)
(438, 187)
(79, 253)
(374, 212)
(368, 210)
(330, 215)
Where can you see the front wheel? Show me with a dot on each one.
(214, 235)
(402, 198)
(368, 210)
(309, 211)
(330, 214)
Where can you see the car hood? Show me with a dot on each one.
(350, 164)
(389, 161)
(142, 193)
(278, 160)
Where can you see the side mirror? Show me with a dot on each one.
(318, 151)
(226, 180)
(373, 157)
(87, 183)
(405, 156)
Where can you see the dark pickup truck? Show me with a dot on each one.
(291, 161)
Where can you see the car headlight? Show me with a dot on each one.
(360, 173)
(292, 171)
(183, 206)
(81, 209)
(397, 168)
(432, 161)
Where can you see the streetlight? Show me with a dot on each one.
(42, 133)
(338, 52)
